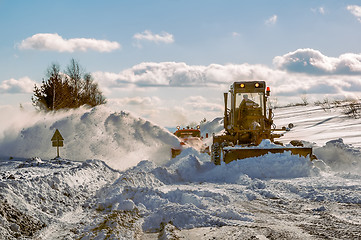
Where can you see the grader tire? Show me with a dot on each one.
(216, 154)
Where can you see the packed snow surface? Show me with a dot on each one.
(137, 192)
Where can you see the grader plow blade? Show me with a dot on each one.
(230, 154)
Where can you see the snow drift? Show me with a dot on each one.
(119, 138)
(165, 193)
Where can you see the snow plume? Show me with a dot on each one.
(118, 138)
(13, 120)
(164, 113)
(340, 156)
(311, 61)
(54, 42)
(21, 85)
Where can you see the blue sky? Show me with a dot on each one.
(166, 59)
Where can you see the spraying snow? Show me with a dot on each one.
(119, 138)
(340, 156)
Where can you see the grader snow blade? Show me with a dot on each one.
(230, 154)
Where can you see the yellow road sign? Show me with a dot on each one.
(57, 141)
(58, 144)
(57, 136)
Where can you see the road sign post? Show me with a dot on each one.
(57, 141)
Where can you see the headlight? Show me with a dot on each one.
(256, 85)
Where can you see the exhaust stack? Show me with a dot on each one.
(225, 122)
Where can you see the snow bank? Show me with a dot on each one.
(270, 166)
(166, 194)
(120, 139)
(185, 206)
(42, 192)
(192, 166)
(265, 144)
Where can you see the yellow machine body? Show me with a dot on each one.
(247, 122)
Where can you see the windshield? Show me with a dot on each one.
(257, 98)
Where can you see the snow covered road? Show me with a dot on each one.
(85, 200)
(276, 196)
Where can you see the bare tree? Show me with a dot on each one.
(352, 109)
(304, 99)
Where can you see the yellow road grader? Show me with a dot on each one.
(247, 123)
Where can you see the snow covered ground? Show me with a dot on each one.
(136, 192)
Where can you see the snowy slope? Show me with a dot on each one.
(314, 124)
(276, 196)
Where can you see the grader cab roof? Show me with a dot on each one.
(249, 86)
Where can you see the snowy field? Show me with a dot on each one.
(134, 190)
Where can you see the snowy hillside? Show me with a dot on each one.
(136, 192)
(318, 125)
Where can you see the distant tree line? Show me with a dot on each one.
(69, 89)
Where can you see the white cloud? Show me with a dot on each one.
(235, 34)
(295, 73)
(272, 20)
(22, 85)
(54, 42)
(309, 71)
(138, 101)
(147, 35)
(178, 74)
(311, 61)
(188, 93)
(320, 10)
(202, 104)
(355, 10)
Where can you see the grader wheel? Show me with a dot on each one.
(216, 154)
